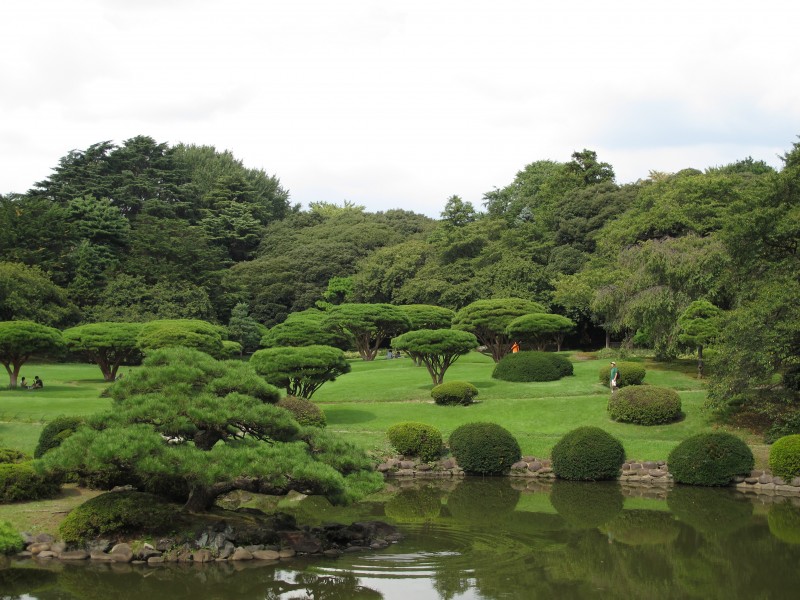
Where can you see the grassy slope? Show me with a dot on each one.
(364, 403)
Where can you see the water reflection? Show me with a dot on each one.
(484, 538)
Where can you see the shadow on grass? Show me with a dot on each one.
(344, 416)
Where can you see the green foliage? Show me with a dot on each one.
(562, 363)
(784, 457)
(489, 319)
(116, 513)
(710, 459)
(231, 349)
(368, 324)
(484, 448)
(189, 333)
(300, 370)
(28, 294)
(245, 330)
(416, 439)
(645, 405)
(586, 506)
(107, 344)
(438, 349)
(304, 328)
(11, 455)
(784, 522)
(54, 432)
(630, 373)
(587, 454)
(20, 340)
(213, 425)
(20, 482)
(527, 366)
(304, 411)
(477, 500)
(454, 392)
(540, 328)
(427, 316)
(10, 539)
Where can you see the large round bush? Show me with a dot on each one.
(586, 506)
(710, 459)
(304, 411)
(454, 392)
(587, 454)
(484, 448)
(784, 457)
(416, 439)
(562, 363)
(645, 405)
(55, 432)
(630, 373)
(19, 481)
(117, 512)
(527, 366)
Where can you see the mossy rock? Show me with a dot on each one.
(117, 513)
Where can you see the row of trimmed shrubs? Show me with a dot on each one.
(592, 454)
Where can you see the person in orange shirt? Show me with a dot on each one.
(515, 347)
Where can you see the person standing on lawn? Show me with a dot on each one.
(614, 382)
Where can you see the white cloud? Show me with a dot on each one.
(400, 104)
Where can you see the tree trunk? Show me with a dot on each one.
(608, 339)
(205, 440)
(200, 499)
(700, 364)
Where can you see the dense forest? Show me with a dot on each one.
(676, 262)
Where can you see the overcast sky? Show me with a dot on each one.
(401, 104)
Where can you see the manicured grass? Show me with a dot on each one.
(364, 403)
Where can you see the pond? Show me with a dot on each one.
(484, 538)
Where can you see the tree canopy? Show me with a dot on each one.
(300, 370)
(107, 344)
(368, 324)
(213, 425)
(21, 340)
(438, 349)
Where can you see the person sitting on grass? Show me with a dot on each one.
(24, 384)
(37, 383)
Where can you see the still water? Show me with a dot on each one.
(488, 539)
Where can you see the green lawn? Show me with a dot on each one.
(378, 394)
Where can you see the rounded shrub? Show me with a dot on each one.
(416, 439)
(115, 513)
(587, 454)
(19, 481)
(526, 366)
(784, 522)
(585, 506)
(710, 459)
(304, 411)
(55, 432)
(10, 539)
(645, 405)
(784, 457)
(454, 392)
(562, 364)
(484, 448)
(11, 455)
(630, 373)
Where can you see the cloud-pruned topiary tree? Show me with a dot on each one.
(300, 370)
(110, 345)
(214, 425)
(21, 340)
(537, 329)
(369, 324)
(189, 333)
(488, 320)
(438, 349)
